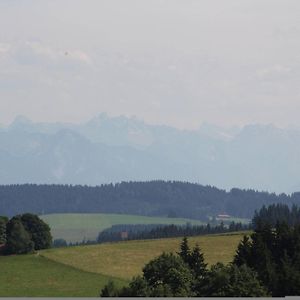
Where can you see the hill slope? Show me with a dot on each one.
(36, 276)
(126, 259)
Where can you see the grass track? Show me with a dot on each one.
(76, 227)
(126, 259)
(36, 276)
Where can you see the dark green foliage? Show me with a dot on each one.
(18, 239)
(153, 198)
(109, 290)
(275, 213)
(38, 230)
(169, 269)
(232, 281)
(244, 283)
(152, 231)
(274, 253)
(197, 263)
(185, 251)
(3, 222)
(58, 243)
(138, 287)
(25, 233)
(243, 251)
(165, 276)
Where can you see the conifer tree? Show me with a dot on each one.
(243, 253)
(185, 252)
(196, 262)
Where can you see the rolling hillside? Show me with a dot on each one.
(126, 259)
(82, 271)
(36, 276)
(78, 227)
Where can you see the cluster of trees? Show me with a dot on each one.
(267, 263)
(24, 234)
(277, 213)
(143, 232)
(153, 198)
(186, 274)
(153, 231)
(274, 254)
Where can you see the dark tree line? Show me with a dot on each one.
(273, 250)
(153, 231)
(143, 232)
(24, 234)
(153, 198)
(277, 213)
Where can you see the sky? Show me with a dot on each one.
(174, 62)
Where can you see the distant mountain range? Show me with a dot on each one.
(113, 149)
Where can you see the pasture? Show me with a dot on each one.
(36, 276)
(126, 259)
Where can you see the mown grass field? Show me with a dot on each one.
(36, 276)
(126, 259)
(77, 227)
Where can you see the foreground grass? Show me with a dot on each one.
(36, 276)
(126, 259)
(76, 227)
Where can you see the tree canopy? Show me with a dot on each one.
(153, 198)
(26, 233)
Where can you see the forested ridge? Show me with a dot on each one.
(153, 198)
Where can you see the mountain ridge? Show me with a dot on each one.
(111, 149)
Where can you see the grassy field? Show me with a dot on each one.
(126, 259)
(76, 227)
(82, 271)
(36, 276)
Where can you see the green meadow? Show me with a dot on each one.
(82, 271)
(36, 276)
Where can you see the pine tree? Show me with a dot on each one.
(243, 253)
(185, 252)
(196, 262)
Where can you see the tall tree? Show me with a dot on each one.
(243, 252)
(18, 239)
(185, 252)
(38, 230)
(169, 269)
(197, 263)
(3, 222)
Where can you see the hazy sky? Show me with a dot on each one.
(177, 62)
